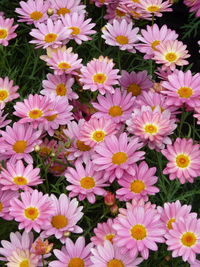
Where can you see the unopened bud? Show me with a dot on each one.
(67, 234)
(114, 209)
(50, 11)
(37, 148)
(109, 199)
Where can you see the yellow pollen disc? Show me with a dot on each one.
(98, 136)
(31, 213)
(50, 37)
(120, 13)
(188, 239)
(35, 114)
(20, 146)
(115, 111)
(1, 206)
(109, 237)
(61, 89)
(45, 151)
(135, 89)
(36, 15)
(99, 78)
(63, 11)
(76, 262)
(185, 92)
(64, 65)
(52, 117)
(82, 146)
(135, 1)
(59, 221)
(87, 182)
(137, 186)
(182, 161)
(115, 263)
(138, 232)
(150, 128)
(171, 57)
(3, 95)
(169, 223)
(75, 30)
(135, 14)
(3, 33)
(154, 44)
(119, 158)
(24, 263)
(20, 180)
(153, 8)
(121, 39)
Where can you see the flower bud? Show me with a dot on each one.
(109, 199)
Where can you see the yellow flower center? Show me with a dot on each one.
(35, 114)
(135, 1)
(50, 37)
(20, 180)
(115, 111)
(98, 136)
(99, 78)
(64, 65)
(59, 221)
(138, 232)
(81, 146)
(3, 33)
(171, 57)
(109, 237)
(137, 186)
(52, 117)
(121, 39)
(115, 263)
(45, 151)
(3, 95)
(36, 15)
(135, 89)
(188, 239)
(185, 92)
(75, 30)
(20, 146)
(169, 223)
(119, 158)
(87, 182)
(120, 13)
(63, 11)
(1, 206)
(31, 213)
(135, 14)
(61, 89)
(150, 128)
(154, 44)
(76, 262)
(24, 263)
(153, 9)
(182, 161)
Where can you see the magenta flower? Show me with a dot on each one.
(7, 30)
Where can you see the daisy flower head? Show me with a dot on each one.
(50, 34)
(17, 176)
(182, 88)
(3, 122)
(114, 12)
(8, 92)
(117, 106)
(85, 182)
(33, 11)
(73, 254)
(121, 34)
(184, 238)
(135, 82)
(170, 54)
(32, 210)
(18, 142)
(5, 197)
(99, 75)
(66, 214)
(23, 258)
(139, 185)
(110, 255)
(7, 30)
(155, 7)
(183, 157)
(118, 154)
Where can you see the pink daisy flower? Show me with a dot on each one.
(49, 34)
(121, 34)
(3, 122)
(64, 62)
(32, 210)
(184, 238)
(33, 11)
(60, 85)
(66, 214)
(85, 182)
(139, 185)
(117, 106)
(171, 53)
(7, 30)
(104, 231)
(110, 255)
(8, 92)
(5, 197)
(135, 82)
(81, 28)
(152, 127)
(155, 7)
(118, 154)
(183, 157)
(95, 130)
(73, 254)
(182, 88)
(99, 75)
(17, 176)
(114, 12)
(18, 142)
